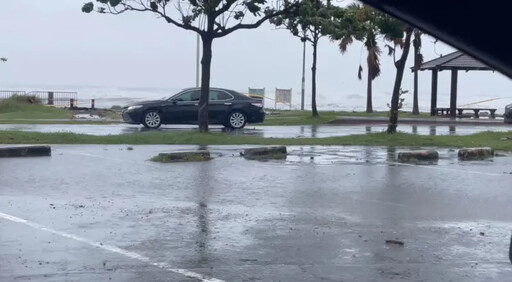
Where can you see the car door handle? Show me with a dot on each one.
(196, 104)
(228, 104)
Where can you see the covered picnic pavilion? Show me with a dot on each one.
(454, 62)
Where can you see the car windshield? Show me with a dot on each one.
(171, 96)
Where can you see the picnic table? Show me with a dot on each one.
(460, 111)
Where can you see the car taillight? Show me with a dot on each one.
(260, 105)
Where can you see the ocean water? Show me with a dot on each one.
(106, 97)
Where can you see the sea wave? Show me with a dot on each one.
(106, 97)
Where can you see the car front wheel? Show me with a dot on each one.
(152, 119)
(237, 120)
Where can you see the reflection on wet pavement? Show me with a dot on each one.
(303, 131)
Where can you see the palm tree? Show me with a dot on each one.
(366, 30)
(418, 60)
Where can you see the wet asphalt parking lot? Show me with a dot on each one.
(105, 213)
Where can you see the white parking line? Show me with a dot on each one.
(112, 249)
(92, 156)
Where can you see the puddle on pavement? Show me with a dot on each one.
(301, 131)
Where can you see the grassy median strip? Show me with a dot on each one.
(497, 140)
(23, 109)
(15, 110)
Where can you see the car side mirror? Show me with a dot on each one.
(173, 101)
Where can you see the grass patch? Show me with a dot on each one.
(281, 117)
(22, 109)
(297, 118)
(198, 156)
(265, 153)
(495, 140)
(27, 107)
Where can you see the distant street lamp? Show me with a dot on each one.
(303, 39)
(197, 60)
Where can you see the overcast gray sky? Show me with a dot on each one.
(52, 42)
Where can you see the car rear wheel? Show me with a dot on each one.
(152, 119)
(236, 120)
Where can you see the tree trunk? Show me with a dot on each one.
(313, 76)
(415, 107)
(400, 67)
(369, 106)
(206, 62)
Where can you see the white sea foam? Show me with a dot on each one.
(106, 97)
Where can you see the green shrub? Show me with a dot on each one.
(18, 102)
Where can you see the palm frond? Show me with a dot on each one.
(399, 42)
(416, 42)
(345, 41)
(391, 50)
(374, 62)
(418, 61)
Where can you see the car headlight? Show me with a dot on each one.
(130, 108)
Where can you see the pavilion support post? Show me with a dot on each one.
(433, 97)
(415, 107)
(453, 94)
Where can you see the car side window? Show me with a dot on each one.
(216, 95)
(195, 95)
(189, 96)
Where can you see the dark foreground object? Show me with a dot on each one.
(193, 156)
(435, 18)
(25, 151)
(265, 153)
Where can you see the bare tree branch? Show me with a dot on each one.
(224, 8)
(160, 13)
(177, 6)
(226, 19)
(219, 27)
(257, 23)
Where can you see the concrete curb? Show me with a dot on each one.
(424, 155)
(475, 153)
(265, 153)
(25, 151)
(185, 156)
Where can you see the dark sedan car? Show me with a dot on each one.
(226, 107)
